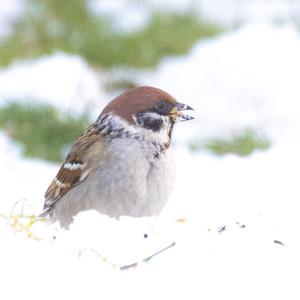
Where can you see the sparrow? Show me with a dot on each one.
(122, 165)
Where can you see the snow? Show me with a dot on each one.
(65, 81)
(21, 178)
(10, 10)
(246, 78)
(234, 220)
(205, 262)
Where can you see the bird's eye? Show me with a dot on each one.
(161, 106)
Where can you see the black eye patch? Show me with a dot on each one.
(149, 122)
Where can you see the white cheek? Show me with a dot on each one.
(160, 137)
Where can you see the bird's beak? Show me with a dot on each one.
(177, 115)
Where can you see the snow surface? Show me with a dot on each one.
(234, 220)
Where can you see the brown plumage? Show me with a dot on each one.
(142, 98)
(67, 178)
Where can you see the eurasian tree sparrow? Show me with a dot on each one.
(122, 164)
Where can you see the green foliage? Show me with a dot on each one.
(40, 129)
(242, 143)
(52, 25)
(166, 34)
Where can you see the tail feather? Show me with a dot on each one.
(45, 213)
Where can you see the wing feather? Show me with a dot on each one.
(73, 171)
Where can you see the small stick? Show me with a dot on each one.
(126, 267)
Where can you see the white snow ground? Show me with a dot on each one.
(229, 210)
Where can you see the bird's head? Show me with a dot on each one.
(149, 111)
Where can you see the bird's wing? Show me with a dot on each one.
(74, 170)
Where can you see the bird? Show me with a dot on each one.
(122, 165)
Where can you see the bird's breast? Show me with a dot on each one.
(160, 182)
(132, 181)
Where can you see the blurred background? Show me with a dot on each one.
(236, 62)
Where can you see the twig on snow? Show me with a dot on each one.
(148, 258)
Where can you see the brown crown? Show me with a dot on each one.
(138, 99)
